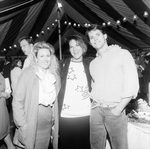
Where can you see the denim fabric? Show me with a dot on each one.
(102, 123)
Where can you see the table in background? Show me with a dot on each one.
(138, 136)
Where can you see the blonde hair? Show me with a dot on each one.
(54, 65)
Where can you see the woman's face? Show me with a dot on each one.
(75, 50)
(19, 63)
(43, 58)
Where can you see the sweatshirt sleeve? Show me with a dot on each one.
(131, 81)
(19, 100)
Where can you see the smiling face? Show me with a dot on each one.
(43, 58)
(75, 50)
(19, 63)
(25, 47)
(97, 39)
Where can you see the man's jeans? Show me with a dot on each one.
(103, 122)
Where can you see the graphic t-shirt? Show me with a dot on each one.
(76, 100)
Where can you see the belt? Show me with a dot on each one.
(95, 104)
(106, 106)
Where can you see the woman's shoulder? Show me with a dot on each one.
(1, 77)
(28, 71)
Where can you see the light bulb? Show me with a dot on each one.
(145, 15)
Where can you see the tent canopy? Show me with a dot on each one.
(127, 23)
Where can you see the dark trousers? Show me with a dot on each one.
(74, 133)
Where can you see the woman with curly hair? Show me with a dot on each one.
(35, 100)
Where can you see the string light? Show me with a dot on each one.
(37, 35)
(85, 25)
(65, 22)
(53, 25)
(79, 25)
(89, 25)
(108, 23)
(48, 29)
(74, 24)
(59, 5)
(135, 17)
(103, 24)
(15, 46)
(124, 19)
(42, 32)
(145, 15)
(135, 20)
(118, 22)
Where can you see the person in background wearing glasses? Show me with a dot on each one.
(114, 84)
(34, 104)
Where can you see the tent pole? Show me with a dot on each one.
(59, 34)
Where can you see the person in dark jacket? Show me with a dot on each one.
(73, 99)
(6, 75)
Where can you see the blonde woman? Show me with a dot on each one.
(35, 100)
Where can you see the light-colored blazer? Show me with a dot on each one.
(25, 109)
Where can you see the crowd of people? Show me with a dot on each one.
(74, 103)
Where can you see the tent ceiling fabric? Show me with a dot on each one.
(31, 17)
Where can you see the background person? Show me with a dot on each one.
(74, 101)
(6, 75)
(15, 72)
(26, 44)
(114, 84)
(35, 100)
(4, 116)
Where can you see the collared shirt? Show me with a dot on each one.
(47, 90)
(28, 61)
(15, 73)
(114, 76)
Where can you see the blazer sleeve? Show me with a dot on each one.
(18, 103)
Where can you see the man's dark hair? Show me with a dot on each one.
(27, 38)
(94, 27)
